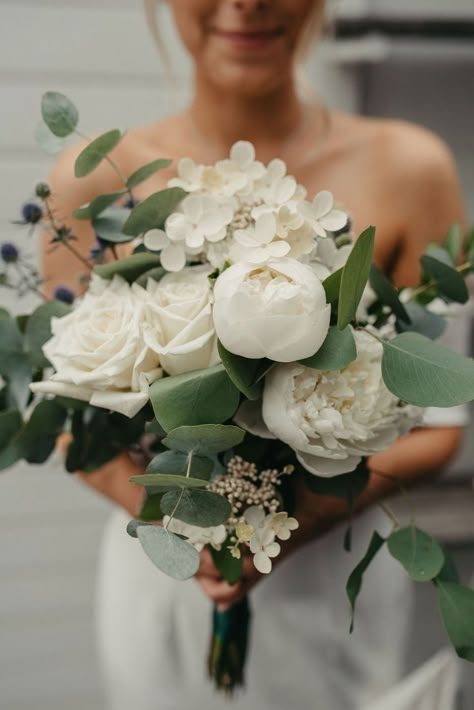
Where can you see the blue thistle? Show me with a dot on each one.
(64, 294)
(31, 213)
(9, 253)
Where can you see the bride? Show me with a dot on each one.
(153, 631)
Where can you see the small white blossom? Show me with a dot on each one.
(283, 525)
(197, 536)
(240, 170)
(172, 254)
(264, 547)
(321, 215)
(259, 243)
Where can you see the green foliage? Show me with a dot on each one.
(133, 526)
(426, 374)
(172, 555)
(38, 329)
(50, 143)
(15, 365)
(196, 507)
(151, 506)
(453, 242)
(450, 283)
(37, 440)
(422, 321)
(10, 427)
(197, 397)
(354, 583)
(244, 373)
(420, 555)
(95, 439)
(109, 225)
(59, 113)
(332, 285)
(94, 208)
(387, 293)
(130, 268)
(337, 351)
(96, 151)
(448, 572)
(456, 604)
(354, 277)
(162, 481)
(181, 464)
(146, 171)
(230, 567)
(152, 212)
(347, 486)
(204, 439)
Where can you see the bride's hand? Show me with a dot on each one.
(217, 589)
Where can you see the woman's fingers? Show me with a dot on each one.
(207, 567)
(222, 593)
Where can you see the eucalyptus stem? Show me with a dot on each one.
(30, 287)
(403, 491)
(77, 254)
(175, 508)
(115, 167)
(389, 513)
(425, 287)
(66, 243)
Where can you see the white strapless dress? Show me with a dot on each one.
(153, 632)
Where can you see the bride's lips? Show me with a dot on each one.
(250, 39)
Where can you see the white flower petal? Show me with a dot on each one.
(155, 239)
(265, 228)
(262, 562)
(334, 220)
(255, 516)
(322, 203)
(243, 153)
(173, 257)
(278, 249)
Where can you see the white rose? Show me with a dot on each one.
(333, 418)
(98, 350)
(178, 323)
(278, 310)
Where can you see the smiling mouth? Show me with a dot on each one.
(250, 38)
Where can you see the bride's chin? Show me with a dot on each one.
(247, 81)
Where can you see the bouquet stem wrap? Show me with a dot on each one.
(228, 649)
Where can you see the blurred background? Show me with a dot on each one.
(391, 58)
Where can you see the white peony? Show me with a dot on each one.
(333, 418)
(278, 310)
(98, 350)
(178, 323)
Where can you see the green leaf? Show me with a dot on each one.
(450, 282)
(426, 374)
(10, 423)
(423, 321)
(151, 506)
(197, 397)
(453, 242)
(50, 143)
(204, 439)
(203, 508)
(94, 208)
(152, 212)
(96, 151)
(156, 274)
(337, 351)
(354, 583)
(109, 225)
(449, 572)
(16, 368)
(243, 372)
(38, 329)
(130, 268)
(354, 277)
(178, 463)
(347, 486)
(332, 285)
(161, 481)
(38, 438)
(133, 526)
(456, 604)
(59, 113)
(230, 567)
(144, 172)
(172, 555)
(11, 338)
(387, 293)
(420, 555)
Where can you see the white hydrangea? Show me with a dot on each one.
(321, 214)
(196, 535)
(260, 530)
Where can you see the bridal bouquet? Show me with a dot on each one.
(251, 340)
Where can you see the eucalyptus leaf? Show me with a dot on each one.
(130, 268)
(179, 463)
(133, 526)
(38, 329)
(59, 113)
(420, 555)
(354, 277)
(197, 397)
(94, 208)
(230, 567)
(38, 437)
(152, 212)
(156, 274)
(146, 171)
(332, 285)
(16, 368)
(354, 583)
(151, 506)
(109, 225)
(456, 604)
(160, 481)
(10, 424)
(11, 338)
(96, 151)
(426, 374)
(422, 321)
(387, 293)
(453, 242)
(243, 372)
(172, 555)
(195, 507)
(50, 143)
(204, 439)
(450, 282)
(337, 351)
(449, 572)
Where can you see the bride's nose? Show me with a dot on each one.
(258, 5)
